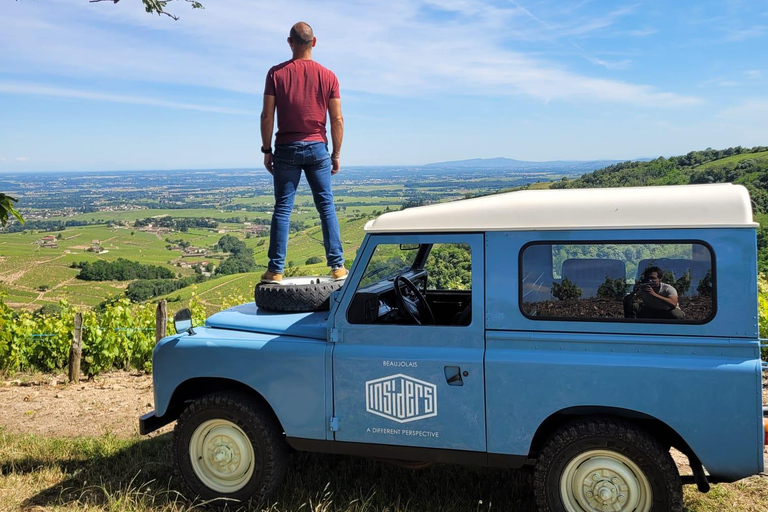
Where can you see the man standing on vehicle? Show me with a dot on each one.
(304, 93)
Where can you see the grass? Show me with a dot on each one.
(111, 474)
(733, 160)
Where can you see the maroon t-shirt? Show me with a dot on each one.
(302, 90)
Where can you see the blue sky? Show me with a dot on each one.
(87, 86)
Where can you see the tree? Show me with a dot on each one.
(158, 6)
(613, 289)
(566, 290)
(6, 208)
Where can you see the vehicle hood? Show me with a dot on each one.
(248, 317)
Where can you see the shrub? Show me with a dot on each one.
(704, 288)
(565, 290)
(119, 335)
(613, 289)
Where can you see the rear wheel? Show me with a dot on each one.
(606, 465)
(227, 447)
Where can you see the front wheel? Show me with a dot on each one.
(606, 465)
(226, 447)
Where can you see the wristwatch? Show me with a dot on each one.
(266, 151)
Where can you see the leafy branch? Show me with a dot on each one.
(6, 207)
(157, 6)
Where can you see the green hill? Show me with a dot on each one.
(745, 166)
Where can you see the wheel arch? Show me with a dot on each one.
(653, 426)
(194, 388)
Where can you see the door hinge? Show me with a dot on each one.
(335, 335)
(335, 424)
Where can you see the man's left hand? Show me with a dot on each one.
(268, 164)
(335, 165)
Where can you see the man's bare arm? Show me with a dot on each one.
(672, 300)
(267, 125)
(337, 132)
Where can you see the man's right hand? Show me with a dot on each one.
(268, 164)
(335, 165)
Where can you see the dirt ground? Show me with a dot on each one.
(48, 405)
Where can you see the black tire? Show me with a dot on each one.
(229, 425)
(302, 296)
(609, 458)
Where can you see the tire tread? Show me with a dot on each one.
(581, 430)
(295, 298)
(263, 425)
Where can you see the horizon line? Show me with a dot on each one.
(203, 169)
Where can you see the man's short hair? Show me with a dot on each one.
(301, 33)
(651, 270)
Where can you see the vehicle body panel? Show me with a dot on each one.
(676, 382)
(296, 392)
(673, 372)
(248, 317)
(366, 353)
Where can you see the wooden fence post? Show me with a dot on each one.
(161, 320)
(76, 351)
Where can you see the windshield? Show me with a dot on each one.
(387, 262)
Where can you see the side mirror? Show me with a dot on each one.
(182, 322)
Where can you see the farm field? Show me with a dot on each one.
(33, 274)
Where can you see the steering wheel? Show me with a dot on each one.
(415, 308)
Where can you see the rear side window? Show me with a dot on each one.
(656, 282)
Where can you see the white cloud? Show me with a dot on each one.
(721, 82)
(642, 32)
(43, 90)
(742, 34)
(386, 48)
(22, 159)
(746, 121)
(751, 109)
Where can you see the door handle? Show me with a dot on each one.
(453, 376)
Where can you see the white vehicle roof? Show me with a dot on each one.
(677, 206)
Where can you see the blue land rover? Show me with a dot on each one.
(580, 333)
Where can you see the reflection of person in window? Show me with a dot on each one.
(659, 300)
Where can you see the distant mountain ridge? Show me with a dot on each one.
(512, 164)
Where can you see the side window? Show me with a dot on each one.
(387, 261)
(423, 284)
(617, 281)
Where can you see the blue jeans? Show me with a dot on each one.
(289, 160)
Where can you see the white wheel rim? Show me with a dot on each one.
(604, 481)
(222, 456)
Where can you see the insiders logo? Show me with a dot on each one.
(401, 398)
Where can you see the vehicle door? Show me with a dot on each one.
(400, 383)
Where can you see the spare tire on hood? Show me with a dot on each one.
(295, 294)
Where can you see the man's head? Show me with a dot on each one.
(653, 276)
(301, 39)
